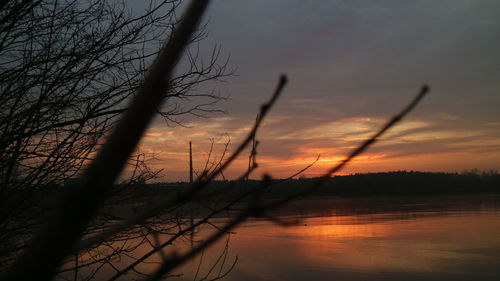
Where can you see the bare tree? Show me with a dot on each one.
(67, 71)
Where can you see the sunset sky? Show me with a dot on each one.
(351, 65)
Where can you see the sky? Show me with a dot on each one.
(351, 66)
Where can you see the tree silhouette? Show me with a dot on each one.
(68, 70)
(74, 224)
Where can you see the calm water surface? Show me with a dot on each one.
(441, 238)
(413, 238)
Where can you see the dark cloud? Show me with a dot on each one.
(358, 52)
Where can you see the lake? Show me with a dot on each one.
(437, 238)
(412, 238)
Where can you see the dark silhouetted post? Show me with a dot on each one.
(190, 164)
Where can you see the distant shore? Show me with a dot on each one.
(358, 185)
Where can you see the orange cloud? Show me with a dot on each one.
(287, 146)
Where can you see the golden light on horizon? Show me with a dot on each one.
(284, 149)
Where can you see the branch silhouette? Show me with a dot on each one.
(62, 235)
(77, 209)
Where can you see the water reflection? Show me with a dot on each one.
(435, 245)
(426, 238)
(459, 243)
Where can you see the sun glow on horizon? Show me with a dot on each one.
(414, 144)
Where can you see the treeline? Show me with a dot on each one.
(356, 185)
(399, 183)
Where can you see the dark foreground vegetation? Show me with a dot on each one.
(78, 89)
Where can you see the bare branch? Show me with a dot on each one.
(78, 208)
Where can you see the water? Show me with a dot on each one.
(413, 238)
(370, 247)
(439, 238)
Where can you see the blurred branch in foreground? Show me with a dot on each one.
(62, 235)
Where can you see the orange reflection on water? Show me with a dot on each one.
(429, 243)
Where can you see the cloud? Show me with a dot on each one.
(352, 65)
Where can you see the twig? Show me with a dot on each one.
(398, 117)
